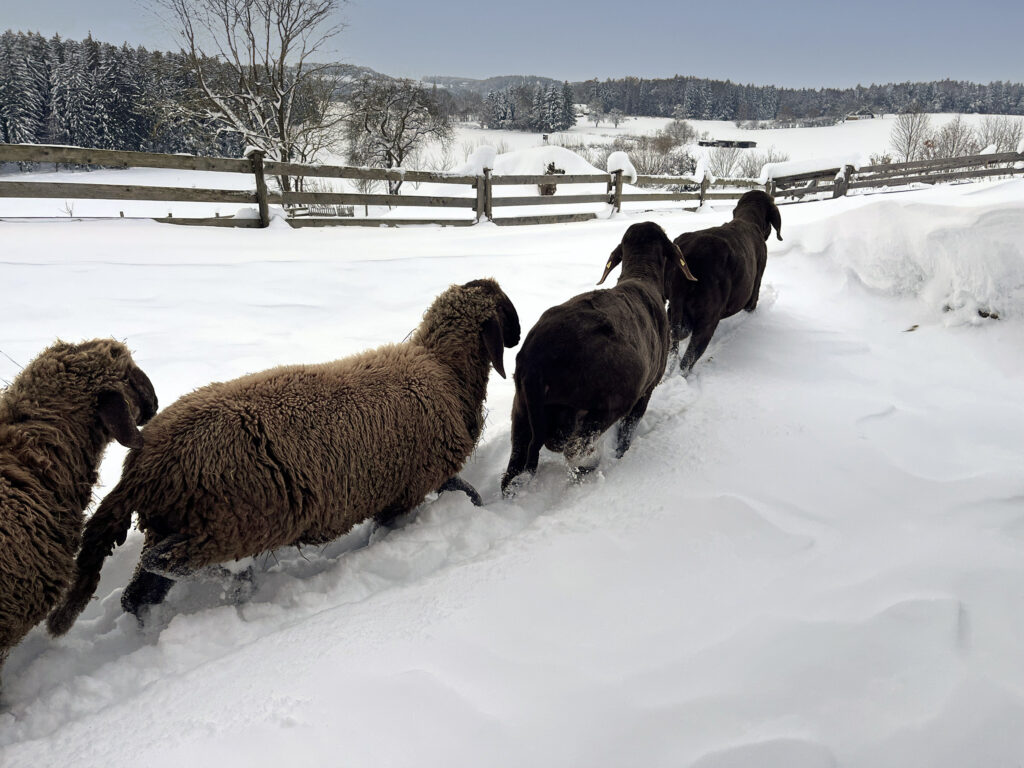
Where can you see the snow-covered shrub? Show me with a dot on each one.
(722, 161)
(752, 161)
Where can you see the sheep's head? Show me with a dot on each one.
(478, 308)
(500, 326)
(758, 207)
(100, 378)
(646, 249)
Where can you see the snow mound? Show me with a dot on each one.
(525, 162)
(535, 159)
(482, 157)
(619, 161)
(963, 261)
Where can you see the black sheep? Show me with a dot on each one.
(595, 359)
(729, 262)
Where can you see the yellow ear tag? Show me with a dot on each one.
(608, 265)
(682, 264)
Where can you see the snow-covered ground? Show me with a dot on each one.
(811, 556)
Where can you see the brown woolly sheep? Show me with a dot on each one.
(595, 359)
(56, 418)
(729, 262)
(300, 454)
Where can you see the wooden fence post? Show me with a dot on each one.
(488, 195)
(617, 200)
(705, 183)
(481, 197)
(842, 185)
(256, 159)
(770, 188)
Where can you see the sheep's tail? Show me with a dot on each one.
(108, 526)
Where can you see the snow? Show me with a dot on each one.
(809, 165)
(811, 555)
(619, 161)
(482, 157)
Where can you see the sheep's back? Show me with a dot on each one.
(604, 346)
(725, 261)
(299, 453)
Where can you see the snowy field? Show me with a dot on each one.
(812, 556)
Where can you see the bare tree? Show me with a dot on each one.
(751, 161)
(722, 160)
(1001, 131)
(616, 116)
(681, 132)
(647, 160)
(909, 134)
(954, 139)
(387, 120)
(252, 60)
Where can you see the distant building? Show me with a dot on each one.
(727, 143)
(861, 114)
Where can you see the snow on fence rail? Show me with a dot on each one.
(839, 180)
(481, 203)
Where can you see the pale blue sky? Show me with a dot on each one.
(787, 42)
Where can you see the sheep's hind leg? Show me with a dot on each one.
(580, 450)
(525, 449)
(698, 345)
(754, 296)
(627, 427)
(456, 483)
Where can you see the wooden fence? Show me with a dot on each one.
(838, 181)
(479, 205)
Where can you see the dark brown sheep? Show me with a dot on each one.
(595, 359)
(728, 262)
(300, 454)
(56, 418)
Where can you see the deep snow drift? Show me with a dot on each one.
(811, 556)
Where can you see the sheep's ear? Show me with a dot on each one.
(613, 261)
(117, 418)
(677, 254)
(145, 393)
(491, 333)
(508, 319)
(775, 219)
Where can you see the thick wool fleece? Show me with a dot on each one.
(51, 443)
(300, 454)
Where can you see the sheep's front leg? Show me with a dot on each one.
(166, 561)
(146, 588)
(456, 483)
(627, 427)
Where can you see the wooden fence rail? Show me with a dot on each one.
(839, 181)
(479, 194)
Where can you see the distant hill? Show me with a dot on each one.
(483, 87)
